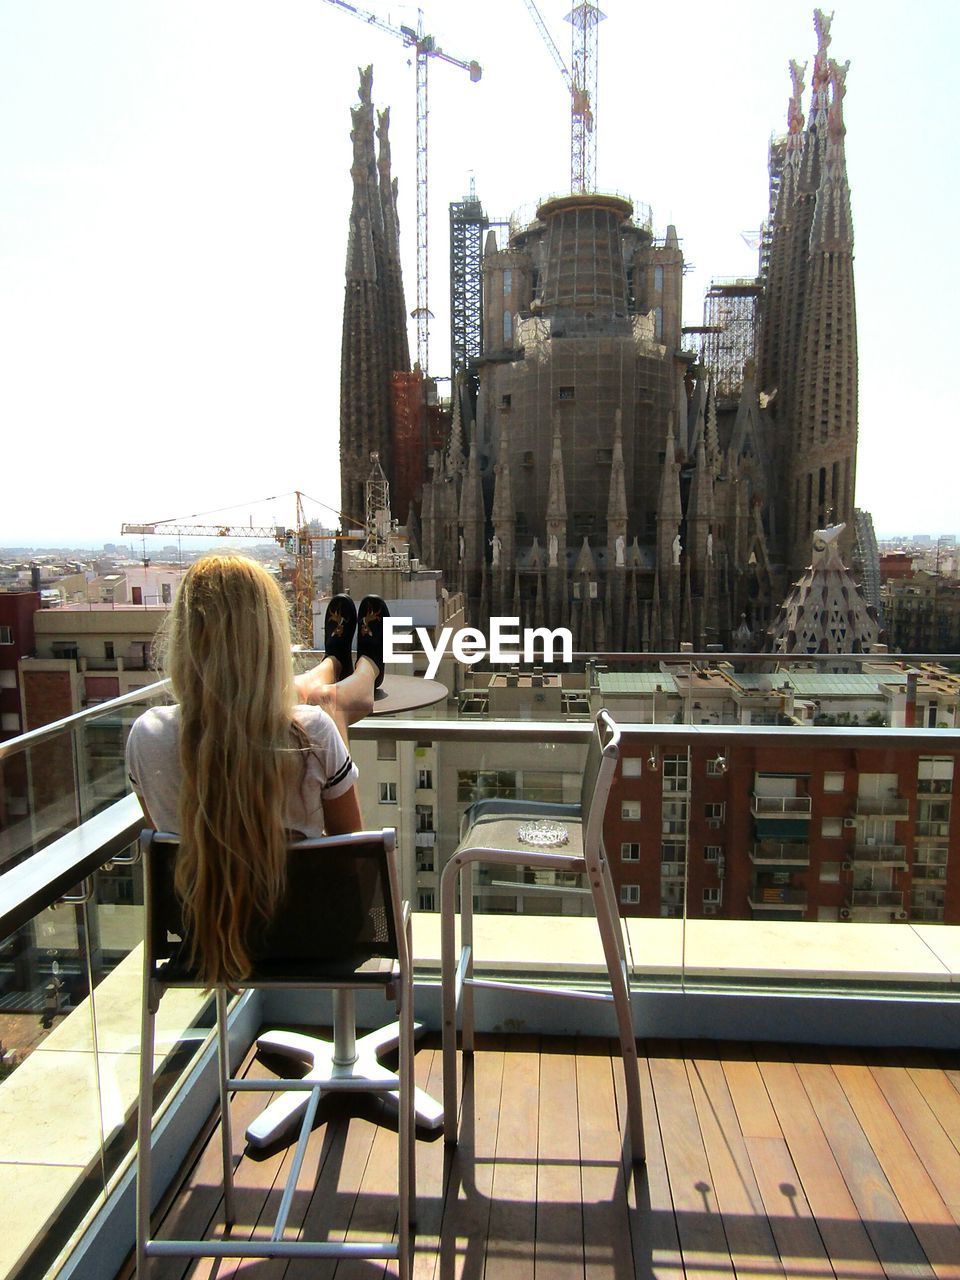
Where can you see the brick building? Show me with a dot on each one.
(786, 832)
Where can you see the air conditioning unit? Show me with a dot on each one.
(849, 822)
(901, 915)
(844, 913)
(709, 908)
(713, 823)
(846, 866)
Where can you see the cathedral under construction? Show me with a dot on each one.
(602, 467)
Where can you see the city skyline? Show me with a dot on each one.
(176, 210)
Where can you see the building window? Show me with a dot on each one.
(604, 457)
(713, 852)
(831, 828)
(833, 782)
(934, 775)
(716, 767)
(487, 784)
(424, 779)
(108, 651)
(829, 872)
(506, 401)
(630, 810)
(675, 775)
(425, 900)
(424, 814)
(567, 393)
(6, 635)
(507, 327)
(387, 749)
(658, 279)
(658, 323)
(630, 851)
(714, 812)
(507, 282)
(388, 793)
(630, 766)
(713, 895)
(630, 894)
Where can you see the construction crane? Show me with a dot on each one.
(297, 542)
(582, 83)
(426, 48)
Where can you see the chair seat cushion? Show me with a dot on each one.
(499, 832)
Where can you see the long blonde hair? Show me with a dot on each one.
(228, 656)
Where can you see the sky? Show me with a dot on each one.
(174, 195)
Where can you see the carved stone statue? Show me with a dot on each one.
(462, 546)
(709, 548)
(621, 550)
(838, 82)
(497, 548)
(553, 551)
(821, 24)
(676, 549)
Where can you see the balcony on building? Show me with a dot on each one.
(780, 853)
(880, 855)
(886, 806)
(853, 1092)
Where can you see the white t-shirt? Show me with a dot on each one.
(153, 766)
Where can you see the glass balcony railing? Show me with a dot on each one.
(695, 848)
(892, 806)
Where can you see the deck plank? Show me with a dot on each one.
(838, 1219)
(653, 1228)
(749, 1236)
(703, 1244)
(890, 1232)
(559, 1227)
(512, 1184)
(466, 1221)
(903, 1166)
(927, 1128)
(606, 1227)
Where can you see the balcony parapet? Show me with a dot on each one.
(781, 806)
(884, 855)
(875, 898)
(882, 806)
(776, 853)
(773, 898)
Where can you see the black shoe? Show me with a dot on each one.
(338, 631)
(370, 616)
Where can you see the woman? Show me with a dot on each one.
(238, 765)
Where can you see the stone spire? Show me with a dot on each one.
(669, 509)
(397, 348)
(364, 419)
(824, 432)
(456, 460)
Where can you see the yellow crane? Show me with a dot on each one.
(426, 48)
(297, 542)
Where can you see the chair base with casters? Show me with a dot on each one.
(341, 927)
(490, 836)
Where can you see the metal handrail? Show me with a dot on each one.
(34, 736)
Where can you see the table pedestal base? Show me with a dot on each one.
(343, 1058)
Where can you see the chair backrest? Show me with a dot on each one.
(598, 774)
(341, 910)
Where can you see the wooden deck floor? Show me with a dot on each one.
(762, 1161)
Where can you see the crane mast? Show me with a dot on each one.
(425, 48)
(584, 18)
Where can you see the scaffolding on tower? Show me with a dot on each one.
(730, 315)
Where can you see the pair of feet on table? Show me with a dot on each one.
(345, 620)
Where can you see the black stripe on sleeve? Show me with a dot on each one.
(339, 775)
